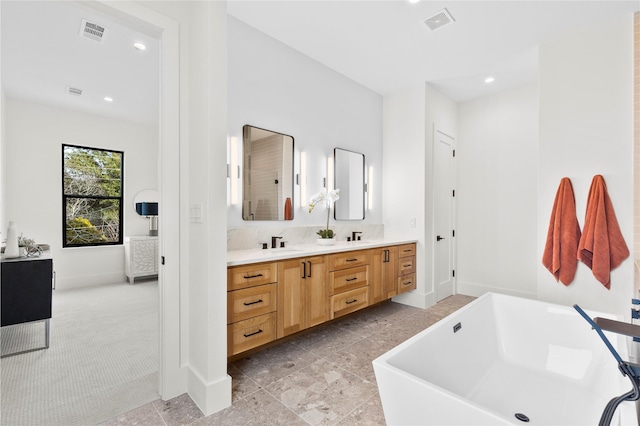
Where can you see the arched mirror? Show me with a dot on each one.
(267, 189)
(349, 178)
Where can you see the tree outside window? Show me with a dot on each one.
(91, 196)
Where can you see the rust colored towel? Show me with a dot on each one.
(560, 251)
(288, 214)
(602, 247)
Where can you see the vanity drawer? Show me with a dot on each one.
(250, 333)
(407, 250)
(348, 260)
(251, 275)
(406, 283)
(406, 265)
(349, 301)
(348, 279)
(251, 302)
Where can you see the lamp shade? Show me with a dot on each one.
(147, 209)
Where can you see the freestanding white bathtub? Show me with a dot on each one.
(504, 360)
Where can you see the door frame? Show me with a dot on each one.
(171, 366)
(453, 250)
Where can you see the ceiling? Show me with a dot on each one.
(383, 45)
(43, 53)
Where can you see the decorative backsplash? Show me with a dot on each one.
(249, 238)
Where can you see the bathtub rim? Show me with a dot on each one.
(381, 362)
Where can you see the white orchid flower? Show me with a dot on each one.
(329, 198)
(333, 196)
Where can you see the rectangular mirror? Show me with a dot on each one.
(267, 190)
(349, 178)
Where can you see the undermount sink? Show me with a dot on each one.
(356, 242)
(283, 250)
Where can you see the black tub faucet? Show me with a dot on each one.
(274, 242)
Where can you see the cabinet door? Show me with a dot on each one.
(348, 259)
(349, 301)
(348, 279)
(377, 291)
(317, 289)
(143, 253)
(384, 274)
(26, 290)
(406, 283)
(390, 272)
(251, 275)
(291, 296)
(251, 302)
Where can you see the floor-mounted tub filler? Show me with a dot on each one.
(504, 360)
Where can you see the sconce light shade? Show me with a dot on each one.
(147, 209)
(234, 174)
(303, 179)
(330, 177)
(370, 189)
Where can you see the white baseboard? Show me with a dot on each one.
(210, 397)
(477, 290)
(417, 300)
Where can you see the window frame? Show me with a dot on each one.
(119, 198)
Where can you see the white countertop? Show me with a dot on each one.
(244, 257)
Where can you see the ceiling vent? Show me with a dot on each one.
(92, 31)
(438, 20)
(74, 91)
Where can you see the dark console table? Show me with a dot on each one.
(26, 288)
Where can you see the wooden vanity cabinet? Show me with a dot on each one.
(251, 306)
(303, 294)
(383, 284)
(406, 268)
(349, 282)
(270, 300)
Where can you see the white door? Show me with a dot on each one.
(443, 214)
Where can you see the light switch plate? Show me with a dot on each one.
(195, 213)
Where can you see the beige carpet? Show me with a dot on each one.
(102, 359)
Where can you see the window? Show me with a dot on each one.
(91, 196)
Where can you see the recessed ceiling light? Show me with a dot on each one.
(489, 80)
(414, 1)
(108, 99)
(139, 46)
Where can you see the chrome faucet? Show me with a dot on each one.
(353, 235)
(273, 241)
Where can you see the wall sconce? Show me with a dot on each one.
(149, 210)
(234, 170)
(370, 188)
(329, 183)
(303, 179)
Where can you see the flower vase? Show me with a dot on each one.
(12, 250)
(326, 241)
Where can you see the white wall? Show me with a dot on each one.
(209, 384)
(198, 328)
(34, 137)
(277, 88)
(496, 193)
(403, 180)
(3, 164)
(409, 119)
(586, 122)
(441, 114)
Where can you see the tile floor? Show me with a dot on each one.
(324, 377)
